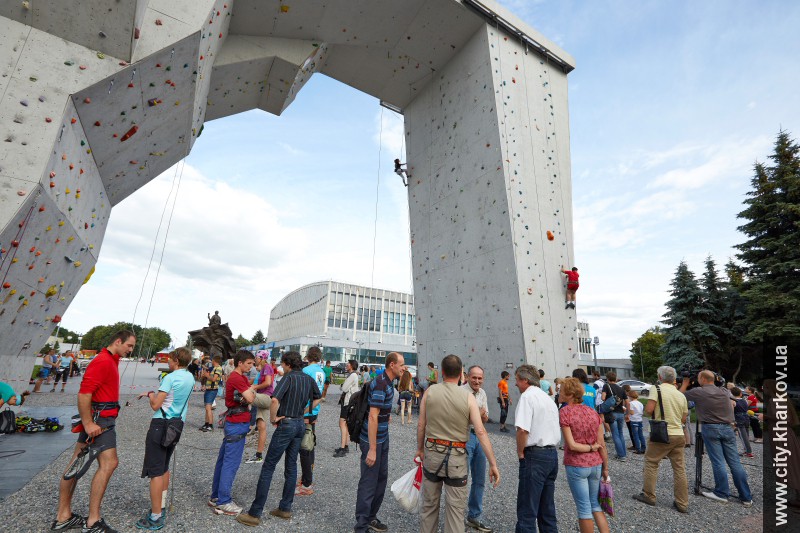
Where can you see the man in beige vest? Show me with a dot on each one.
(445, 414)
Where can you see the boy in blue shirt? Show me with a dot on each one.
(317, 373)
(169, 402)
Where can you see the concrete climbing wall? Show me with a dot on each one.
(489, 161)
(98, 98)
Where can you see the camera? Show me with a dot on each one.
(238, 398)
(691, 374)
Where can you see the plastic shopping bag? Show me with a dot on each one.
(406, 490)
(606, 497)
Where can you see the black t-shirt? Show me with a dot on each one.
(615, 390)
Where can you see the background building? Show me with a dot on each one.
(586, 347)
(346, 321)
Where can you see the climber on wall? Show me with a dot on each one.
(572, 285)
(400, 171)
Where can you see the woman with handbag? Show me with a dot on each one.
(585, 455)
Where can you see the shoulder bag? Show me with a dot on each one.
(658, 428)
(173, 427)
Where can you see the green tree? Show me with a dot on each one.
(259, 338)
(148, 340)
(646, 354)
(771, 255)
(716, 348)
(70, 337)
(687, 334)
(743, 358)
(241, 342)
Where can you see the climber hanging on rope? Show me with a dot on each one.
(400, 171)
(572, 285)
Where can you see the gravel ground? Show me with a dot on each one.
(331, 508)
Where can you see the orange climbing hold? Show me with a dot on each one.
(131, 132)
(550, 235)
(74, 120)
(86, 100)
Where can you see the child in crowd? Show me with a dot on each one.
(740, 408)
(635, 411)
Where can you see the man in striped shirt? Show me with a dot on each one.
(293, 395)
(374, 443)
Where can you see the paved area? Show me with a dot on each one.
(331, 508)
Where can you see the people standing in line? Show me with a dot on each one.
(545, 385)
(538, 434)
(328, 369)
(294, 395)
(589, 392)
(619, 414)
(572, 285)
(63, 370)
(98, 407)
(503, 399)
(211, 379)
(740, 409)
(317, 373)
(635, 411)
(753, 399)
(715, 413)
(405, 391)
(349, 386)
(169, 402)
(585, 455)
(476, 457)
(239, 394)
(374, 442)
(261, 403)
(445, 415)
(675, 411)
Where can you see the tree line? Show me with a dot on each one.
(720, 321)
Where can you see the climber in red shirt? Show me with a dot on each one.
(572, 285)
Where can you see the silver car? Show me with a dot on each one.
(639, 386)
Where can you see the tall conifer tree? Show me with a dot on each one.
(687, 334)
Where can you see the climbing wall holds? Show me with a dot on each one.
(130, 133)
(550, 235)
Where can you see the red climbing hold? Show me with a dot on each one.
(74, 120)
(134, 162)
(56, 319)
(41, 209)
(15, 244)
(52, 174)
(96, 122)
(86, 100)
(33, 249)
(52, 184)
(131, 132)
(158, 22)
(6, 285)
(130, 85)
(48, 119)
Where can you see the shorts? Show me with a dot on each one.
(156, 457)
(105, 440)
(572, 286)
(343, 412)
(405, 396)
(44, 372)
(209, 396)
(327, 381)
(262, 403)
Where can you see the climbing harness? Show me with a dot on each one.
(436, 444)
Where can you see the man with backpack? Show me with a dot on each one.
(616, 402)
(374, 441)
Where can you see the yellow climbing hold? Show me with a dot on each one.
(60, 223)
(48, 228)
(70, 238)
(67, 191)
(88, 276)
(51, 291)
(101, 55)
(77, 264)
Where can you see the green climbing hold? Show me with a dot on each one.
(69, 63)
(169, 68)
(186, 65)
(33, 78)
(123, 113)
(83, 143)
(152, 84)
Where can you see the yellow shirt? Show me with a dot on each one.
(675, 406)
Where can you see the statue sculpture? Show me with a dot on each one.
(214, 339)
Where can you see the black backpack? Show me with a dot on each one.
(8, 421)
(357, 410)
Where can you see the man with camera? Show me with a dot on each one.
(715, 413)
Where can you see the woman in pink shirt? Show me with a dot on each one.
(585, 457)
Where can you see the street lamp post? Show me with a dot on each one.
(595, 342)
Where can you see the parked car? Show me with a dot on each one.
(339, 369)
(639, 386)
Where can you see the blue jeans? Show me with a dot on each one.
(536, 491)
(285, 438)
(230, 455)
(720, 443)
(638, 437)
(616, 433)
(476, 460)
(584, 483)
(371, 485)
(209, 396)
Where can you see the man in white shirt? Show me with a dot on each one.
(477, 459)
(538, 435)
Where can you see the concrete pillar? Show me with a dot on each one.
(488, 152)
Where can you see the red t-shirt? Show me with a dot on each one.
(236, 381)
(583, 421)
(101, 380)
(572, 277)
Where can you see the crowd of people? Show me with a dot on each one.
(453, 445)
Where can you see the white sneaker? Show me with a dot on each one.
(748, 504)
(711, 496)
(229, 508)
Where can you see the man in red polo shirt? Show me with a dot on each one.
(572, 286)
(98, 406)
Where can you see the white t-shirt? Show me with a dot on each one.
(537, 414)
(637, 408)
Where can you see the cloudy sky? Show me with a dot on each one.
(671, 103)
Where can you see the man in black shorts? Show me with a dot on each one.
(98, 406)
